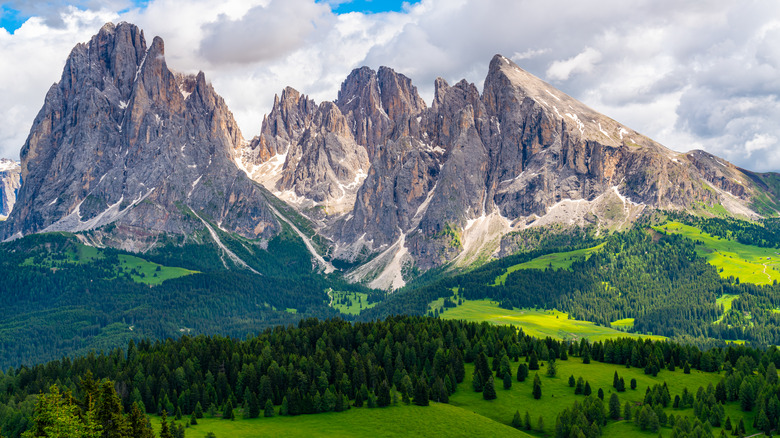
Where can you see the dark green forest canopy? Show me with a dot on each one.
(56, 300)
(296, 367)
(656, 279)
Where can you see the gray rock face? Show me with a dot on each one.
(123, 140)
(446, 182)
(10, 181)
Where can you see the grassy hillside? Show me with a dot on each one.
(469, 414)
(438, 419)
(556, 260)
(751, 264)
(539, 323)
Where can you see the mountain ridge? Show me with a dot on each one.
(447, 182)
(129, 151)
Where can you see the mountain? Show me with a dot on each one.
(10, 181)
(127, 148)
(451, 182)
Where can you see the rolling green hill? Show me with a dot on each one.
(535, 322)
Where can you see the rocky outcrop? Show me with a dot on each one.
(317, 157)
(10, 181)
(445, 183)
(122, 140)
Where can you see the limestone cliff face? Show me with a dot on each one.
(445, 182)
(121, 139)
(10, 181)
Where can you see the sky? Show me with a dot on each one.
(689, 74)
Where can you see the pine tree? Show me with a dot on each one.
(165, 428)
(614, 406)
(517, 420)
(383, 395)
(139, 427)
(600, 394)
(587, 390)
(507, 381)
(540, 424)
(228, 414)
(627, 411)
(580, 386)
(527, 422)
(727, 425)
(533, 364)
(687, 368)
(285, 409)
(421, 395)
(572, 382)
(633, 383)
(199, 410)
(269, 408)
(489, 391)
(537, 390)
(476, 383)
(253, 408)
(552, 368)
(522, 372)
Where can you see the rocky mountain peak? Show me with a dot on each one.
(123, 140)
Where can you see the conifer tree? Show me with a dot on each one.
(537, 390)
(489, 391)
(527, 423)
(614, 406)
(228, 414)
(165, 427)
(522, 372)
(269, 408)
(517, 420)
(421, 395)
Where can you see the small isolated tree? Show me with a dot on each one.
(600, 394)
(572, 382)
(587, 390)
(633, 383)
(537, 391)
(517, 420)
(527, 422)
(552, 368)
(522, 372)
(489, 392)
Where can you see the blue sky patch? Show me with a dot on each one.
(371, 6)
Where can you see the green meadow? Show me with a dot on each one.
(351, 303)
(438, 419)
(557, 395)
(751, 264)
(143, 271)
(537, 323)
(137, 268)
(557, 260)
(468, 414)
